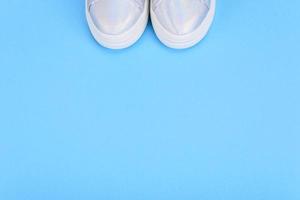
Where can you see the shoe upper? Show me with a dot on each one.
(115, 17)
(180, 16)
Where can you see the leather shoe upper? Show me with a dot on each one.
(180, 16)
(115, 17)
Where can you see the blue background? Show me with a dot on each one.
(218, 121)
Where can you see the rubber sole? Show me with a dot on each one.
(183, 41)
(123, 40)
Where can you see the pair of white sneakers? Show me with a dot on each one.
(178, 24)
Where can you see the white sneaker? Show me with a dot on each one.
(117, 24)
(181, 23)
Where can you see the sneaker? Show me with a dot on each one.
(181, 23)
(117, 24)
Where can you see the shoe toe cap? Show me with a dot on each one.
(114, 17)
(181, 16)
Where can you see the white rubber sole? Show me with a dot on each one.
(183, 41)
(123, 40)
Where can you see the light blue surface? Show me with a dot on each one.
(218, 121)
